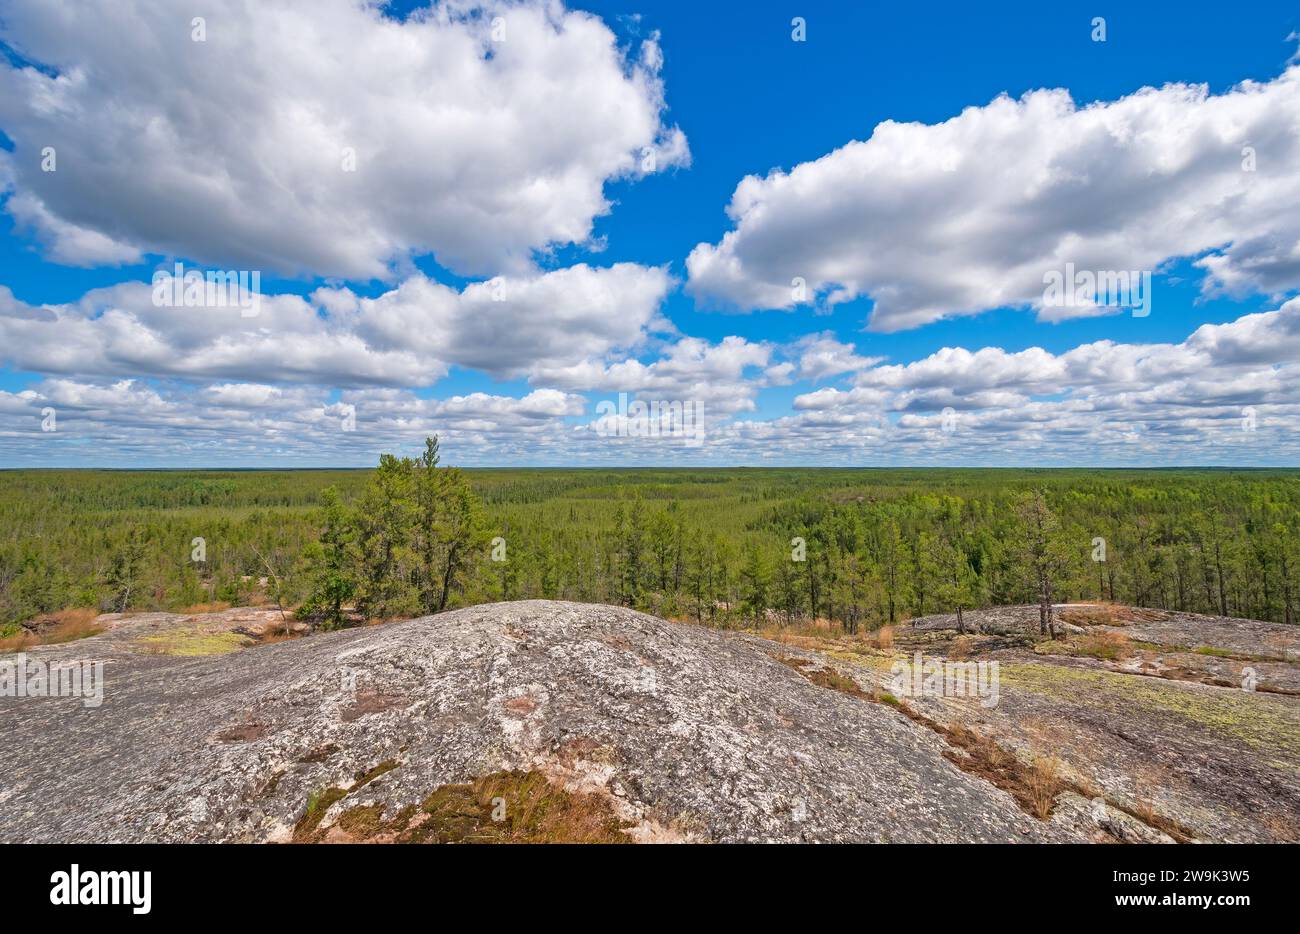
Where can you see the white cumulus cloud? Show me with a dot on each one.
(409, 336)
(322, 136)
(955, 218)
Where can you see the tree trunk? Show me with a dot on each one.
(446, 578)
(1288, 611)
(1044, 609)
(1223, 594)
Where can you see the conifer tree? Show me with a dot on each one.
(330, 561)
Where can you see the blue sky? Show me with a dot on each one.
(729, 86)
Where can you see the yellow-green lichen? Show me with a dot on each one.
(1256, 719)
(188, 643)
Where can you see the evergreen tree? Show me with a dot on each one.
(124, 573)
(891, 561)
(431, 517)
(463, 535)
(330, 562)
(924, 567)
(1042, 553)
(789, 590)
(756, 581)
(385, 520)
(957, 583)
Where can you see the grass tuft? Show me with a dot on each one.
(503, 807)
(824, 677)
(53, 629)
(1108, 645)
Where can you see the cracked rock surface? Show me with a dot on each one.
(1163, 731)
(692, 733)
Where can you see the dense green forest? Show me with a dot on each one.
(727, 546)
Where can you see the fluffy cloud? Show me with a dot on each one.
(276, 379)
(511, 327)
(410, 336)
(933, 221)
(719, 377)
(238, 424)
(1262, 342)
(821, 356)
(1229, 393)
(475, 140)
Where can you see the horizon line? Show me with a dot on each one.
(216, 469)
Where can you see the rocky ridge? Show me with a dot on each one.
(683, 732)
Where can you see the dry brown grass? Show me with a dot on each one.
(17, 642)
(1281, 829)
(1112, 646)
(1103, 614)
(1147, 782)
(960, 647)
(1043, 782)
(832, 679)
(55, 628)
(885, 638)
(73, 623)
(824, 677)
(20, 640)
(819, 640)
(1034, 785)
(812, 629)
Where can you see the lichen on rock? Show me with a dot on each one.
(681, 732)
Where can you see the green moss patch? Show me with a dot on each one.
(307, 828)
(503, 807)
